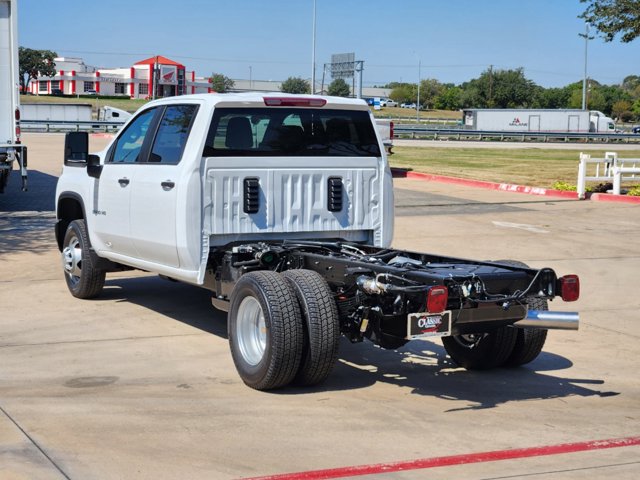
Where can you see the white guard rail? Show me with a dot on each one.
(607, 169)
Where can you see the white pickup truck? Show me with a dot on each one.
(282, 207)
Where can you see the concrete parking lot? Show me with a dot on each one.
(139, 383)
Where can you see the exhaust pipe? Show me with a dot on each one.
(550, 320)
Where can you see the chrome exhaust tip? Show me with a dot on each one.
(550, 320)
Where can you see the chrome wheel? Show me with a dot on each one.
(72, 260)
(251, 331)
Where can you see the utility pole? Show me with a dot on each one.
(313, 52)
(418, 102)
(586, 37)
(490, 103)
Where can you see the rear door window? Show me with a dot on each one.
(291, 132)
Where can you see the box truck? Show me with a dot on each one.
(538, 120)
(10, 147)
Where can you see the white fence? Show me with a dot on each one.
(608, 169)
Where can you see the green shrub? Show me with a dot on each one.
(564, 186)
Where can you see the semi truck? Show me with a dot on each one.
(11, 149)
(282, 207)
(537, 120)
(49, 112)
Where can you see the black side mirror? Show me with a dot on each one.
(76, 149)
(94, 169)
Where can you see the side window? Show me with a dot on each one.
(172, 134)
(129, 144)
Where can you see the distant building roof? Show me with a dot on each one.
(160, 60)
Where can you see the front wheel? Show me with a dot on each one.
(265, 330)
(84, 279)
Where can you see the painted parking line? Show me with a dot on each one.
(447, 461)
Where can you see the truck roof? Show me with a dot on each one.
(258, 99)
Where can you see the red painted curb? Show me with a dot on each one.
(607, 197)
(506, 187)
(454, 460)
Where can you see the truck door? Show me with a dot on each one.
(112, 197)
(574, 123)
(534, 123)
(155, 192)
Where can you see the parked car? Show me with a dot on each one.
(389, 103)
(408, 105)
(636, 129)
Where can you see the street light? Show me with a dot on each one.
(313, 52)
(586, 37)
(418, 102)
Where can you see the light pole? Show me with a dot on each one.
(586, 37)
(313, 52)
(418, 102)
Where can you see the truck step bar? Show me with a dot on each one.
(550, 320)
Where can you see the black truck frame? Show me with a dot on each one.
(388, 296)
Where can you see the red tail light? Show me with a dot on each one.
(569, 288)
(390, 129)
(17, 115)
(294, 102)
(17, 134)
(437, 299)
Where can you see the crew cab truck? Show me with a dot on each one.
(11, 149)
(282, 207)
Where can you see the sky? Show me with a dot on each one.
(399, 40)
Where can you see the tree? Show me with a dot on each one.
(622, 110)
(339, 88)
(552, 98)
(34, 64)
(221, 83)
(449, 99)
(499, 89)
(612, 17)
(404, 92)
(295, 85)
(429, 91)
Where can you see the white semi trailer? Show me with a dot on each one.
(537, 120)
(10, 147)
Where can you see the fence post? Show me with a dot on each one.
(617, 180)
(613, 157)
(582, 173)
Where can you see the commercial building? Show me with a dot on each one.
(165, 76)
(153, 77)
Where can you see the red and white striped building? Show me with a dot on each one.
(166, 76)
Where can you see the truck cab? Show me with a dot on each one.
(189, 173)
(600, 123)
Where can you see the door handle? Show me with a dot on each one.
(168, 185)
(123, 181)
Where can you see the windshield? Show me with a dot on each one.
(291, 132)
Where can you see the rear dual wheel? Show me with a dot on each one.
(283, 329)
(503, 347)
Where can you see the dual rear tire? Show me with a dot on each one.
(502, 347)
(283, 329)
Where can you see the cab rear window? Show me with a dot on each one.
(291, 132)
